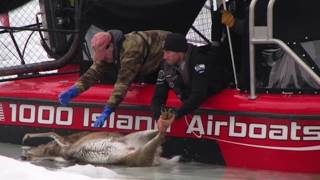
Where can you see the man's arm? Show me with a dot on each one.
(198, 92)
(91, 76)
(131, 62)
(160, 95)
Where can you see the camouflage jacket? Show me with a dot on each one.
(141, 53)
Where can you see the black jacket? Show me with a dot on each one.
(204, 79)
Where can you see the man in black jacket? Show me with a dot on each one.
(187, 70)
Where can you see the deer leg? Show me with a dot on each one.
(154, 143)
(145, 156)
(57, 138)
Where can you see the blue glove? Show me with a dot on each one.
(103, 117)
(66, 96)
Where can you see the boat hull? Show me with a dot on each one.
(274, 132)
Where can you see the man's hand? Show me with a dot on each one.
(228, 19)
(66, 96)
(103, 117)
(165, 120)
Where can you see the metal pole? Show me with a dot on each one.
(270, 18)
(252, 51)
(17, 47)
(231, 49)
(215, 6)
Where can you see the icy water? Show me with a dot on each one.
(12, 168)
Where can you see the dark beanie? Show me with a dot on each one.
(176, 42)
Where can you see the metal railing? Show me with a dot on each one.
(264, 35)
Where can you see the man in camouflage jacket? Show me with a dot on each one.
(136, 53)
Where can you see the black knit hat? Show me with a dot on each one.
(176, 42)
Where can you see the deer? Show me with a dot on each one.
(142, 148)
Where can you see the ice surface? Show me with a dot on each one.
(13, 169)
